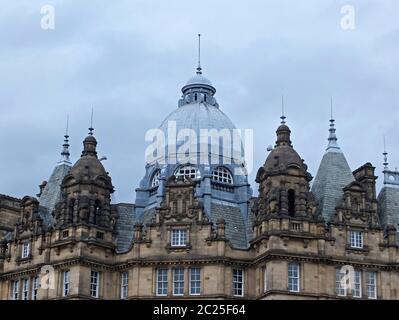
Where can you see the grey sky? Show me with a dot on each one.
(129, 59)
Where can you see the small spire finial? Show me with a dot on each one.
(332, 138)
(65, 147)
(385, 154)
(91, 123)
(283, 117)
(199, 69)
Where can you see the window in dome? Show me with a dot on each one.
(155, 179)
(187, 171)
(221, 174)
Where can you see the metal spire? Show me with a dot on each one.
(332, 139)
(91, 123)
(385, 154)
(65, 147)
(283, 117)
(199, 69)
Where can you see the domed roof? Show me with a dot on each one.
(199, 79)
(283, 157)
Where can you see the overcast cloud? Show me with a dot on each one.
(129, 59)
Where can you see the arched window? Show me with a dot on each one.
(97, 208)
(291, 202)
(187, 171)
(223, 175)
(155, 179)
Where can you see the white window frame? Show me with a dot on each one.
(339, 290)
(35, 287)
(356, 239)
(238, 282)
(178, 281)
(195, 281)
(222, 175)
(294, 277)
(155, 178)
(162, 282)
(357, 284)
(178, 238)
(187, 171)
(25, 289)
(66, 281)
(94, 284)
(265, 287)
(15, 290)
(124, 284)
(371, 284)
(25, 250)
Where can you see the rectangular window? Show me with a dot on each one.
(293, 277)
(238, 282)
(25, 250)
(35, 288)
(195, 281)
(356, 239)
(371, 285)
(178, 282)
(162, 282)
(94, 284)
(179, 238)
(357, 284)
(15, 290)
(25, 289)
(124, 285)
(265, 279)
(66, 283)
(340, 287)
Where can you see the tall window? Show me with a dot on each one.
(293, 277)
(179, 237)
(66, 282)
(187, 171)
(15, 290)
(238, 282)
(155, 178)
(25, 250)
(357, 284)
(35, 288)
(124, 284)
(265, 279)
(94, 284)
(25, 289)
(221, 174)
(371, 285)
(178, 282)
(162, 282)
(356, 239)
(340, 287)
(291, 202)
(195, 281)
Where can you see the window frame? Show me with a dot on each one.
(161, 291)
(189, 171)
(238, 282)
(25, 250)
(196, 280)
(296, 278)
(371, 285)
(155, 178)
(15, 289)
(95, 286)
(356, 239)
(124, 285)
(66, 283)
(219, 174)
(177, 241)
(25, 289)
(178, 278)
(338, 278)
(35, 288)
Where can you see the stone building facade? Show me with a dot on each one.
(196, 231)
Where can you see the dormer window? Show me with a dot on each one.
(356, 239)
(222, 175)
(155, 179)
(187, 171)
(178, 238)
(25, 250)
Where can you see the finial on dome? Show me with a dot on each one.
(91, 123)
(65, 147)
(199, 69)
(385, 154)
(282, 111)
(332, 138)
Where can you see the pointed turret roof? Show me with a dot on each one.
(332, 176)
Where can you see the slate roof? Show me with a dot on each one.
(333, 175)
(125, 226)
(236, 229)
(388, 206)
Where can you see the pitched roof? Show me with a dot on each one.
(125, 226)
(388, 206)
(332, 176)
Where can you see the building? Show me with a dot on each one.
(196, 230)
